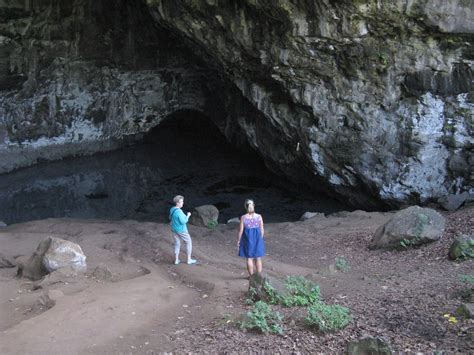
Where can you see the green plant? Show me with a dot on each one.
(327, 317)
(212, 224)
(342, 264)
(405, 243)
(466, 249)
(272, 296)
(469, 279)
(302, 292)
(383, 58)
(252, 293)
(263, 318)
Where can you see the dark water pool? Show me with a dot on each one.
(139, 182)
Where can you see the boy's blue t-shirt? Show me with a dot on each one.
(178, 220)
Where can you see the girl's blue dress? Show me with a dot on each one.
(251, 243)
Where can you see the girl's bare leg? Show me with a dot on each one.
(250, 266)
(259, 265)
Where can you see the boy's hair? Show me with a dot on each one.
(177, 198)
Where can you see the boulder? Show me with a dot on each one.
(453, 202)
(205, 216)
(6, 261)
(235, 220)
(52, 254)
(462, 248)
(411, 226)
(63, 253)
(369, 346)
(266, 288)
(309, 215)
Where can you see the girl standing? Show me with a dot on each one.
(250, 241)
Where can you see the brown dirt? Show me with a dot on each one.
(149, 305)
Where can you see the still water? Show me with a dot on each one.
(138, 182)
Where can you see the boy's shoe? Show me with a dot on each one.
(176, 262)
(192, 261)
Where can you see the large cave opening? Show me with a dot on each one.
(185, 154)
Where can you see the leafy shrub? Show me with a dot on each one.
(212, 224)
(263, 318)
(342, 264)
(327, 317)
(302, 292)
(469, 279)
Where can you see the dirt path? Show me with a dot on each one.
(151, 306)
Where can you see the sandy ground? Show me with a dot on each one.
(148, 305)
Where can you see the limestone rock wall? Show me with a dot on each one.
(370, 99)
(82, 76)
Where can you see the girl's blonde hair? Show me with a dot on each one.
(247, 203)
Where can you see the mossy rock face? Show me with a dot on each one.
(462, 248)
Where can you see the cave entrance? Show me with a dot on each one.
(185, 154)
(197, 162)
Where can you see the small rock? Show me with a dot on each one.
(369, 345)
(453, 202)
(235, 220)
(465, 311)
(462, 248)
(2, 224)
(308, 215)
(6, 261)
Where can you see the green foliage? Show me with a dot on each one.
(272, 296)
(466, 249)
(327, 318)
(263, 318)
(212, 224)
(469, 279)
(405, 243)
(302, 292)
(383, 58)
(342, 264)
(252, 293)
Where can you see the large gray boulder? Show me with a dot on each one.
(205, 216)
(411, 226)
(52, 254)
